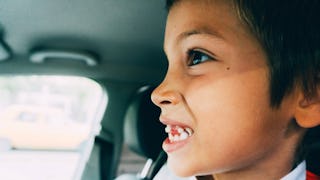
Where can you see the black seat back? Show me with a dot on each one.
(143, 131)
(313, 155)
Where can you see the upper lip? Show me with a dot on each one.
(168, 121)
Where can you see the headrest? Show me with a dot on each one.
(143, 131)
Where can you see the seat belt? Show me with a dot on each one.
(154, 168)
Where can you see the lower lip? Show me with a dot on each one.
(169, 146)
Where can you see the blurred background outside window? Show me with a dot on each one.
(47, 125)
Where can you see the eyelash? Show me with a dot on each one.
(195, 57)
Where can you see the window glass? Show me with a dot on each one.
(47, 125)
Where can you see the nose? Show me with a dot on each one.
(166, 93)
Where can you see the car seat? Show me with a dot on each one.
(313, 154)
(144, 134)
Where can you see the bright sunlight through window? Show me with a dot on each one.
(47, 125)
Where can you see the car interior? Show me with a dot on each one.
(118, 45)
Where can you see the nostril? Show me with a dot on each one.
(165, 102)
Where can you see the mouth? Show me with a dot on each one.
(178, 137)
(178, 133)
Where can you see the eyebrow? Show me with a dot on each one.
(199, 31)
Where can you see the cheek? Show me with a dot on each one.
(230, 111)
(238, 95)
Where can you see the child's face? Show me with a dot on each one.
(217, 85)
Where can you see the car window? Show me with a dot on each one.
(47, 125)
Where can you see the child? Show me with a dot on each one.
(242, 87)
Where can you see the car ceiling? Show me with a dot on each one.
(125, 37)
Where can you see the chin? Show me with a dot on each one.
(181, 169)
(187, 169)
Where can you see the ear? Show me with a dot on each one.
(307, 112)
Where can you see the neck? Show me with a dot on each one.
(274, 165)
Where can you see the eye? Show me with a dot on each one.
(196, 57)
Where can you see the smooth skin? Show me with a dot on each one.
(217, 83)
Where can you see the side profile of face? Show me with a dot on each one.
(215, 98)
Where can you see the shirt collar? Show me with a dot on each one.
(298, 173)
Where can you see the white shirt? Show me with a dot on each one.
(299, 173)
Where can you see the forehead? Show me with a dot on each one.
(203, 10)
(216, 17)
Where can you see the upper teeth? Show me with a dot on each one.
(183, 133)
(168, 129)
